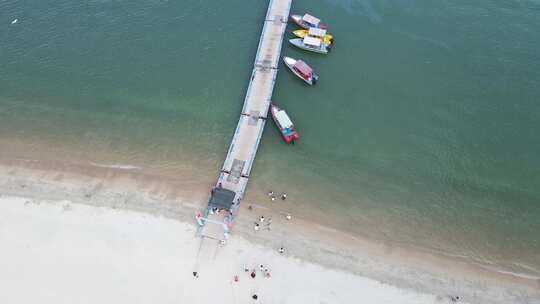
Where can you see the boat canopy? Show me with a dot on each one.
(283, 119)
(312, 41)
(310, 19)
(303, 68)
(221, 198)
(317, 32)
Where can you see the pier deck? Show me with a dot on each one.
(235, 172)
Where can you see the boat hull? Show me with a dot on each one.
(287, 137)
(300, 44)
(289, 62)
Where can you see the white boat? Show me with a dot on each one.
(310, 44)
(284, 124)
(301, 69)
(307, 21)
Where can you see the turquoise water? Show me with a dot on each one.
(422, 129)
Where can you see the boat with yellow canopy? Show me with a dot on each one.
(315, 32)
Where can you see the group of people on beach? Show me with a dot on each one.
(258, 225)
(263, 222)
(264, 271)
(272, 195)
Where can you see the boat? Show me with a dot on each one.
(302, 70)
(307, 21)
(284, 124)
(315, 32)
(310, 44)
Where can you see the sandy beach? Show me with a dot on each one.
(59, 252)
(86, 234)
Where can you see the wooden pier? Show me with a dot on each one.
(234, 174)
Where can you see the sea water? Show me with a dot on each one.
(422, 129)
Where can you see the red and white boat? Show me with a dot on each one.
(302, 70)
(284, 124)
(307, 21)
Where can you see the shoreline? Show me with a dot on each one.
(175, 179)
(392, 264)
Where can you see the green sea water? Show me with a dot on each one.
(423, 128)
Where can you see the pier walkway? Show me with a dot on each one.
(235, 172)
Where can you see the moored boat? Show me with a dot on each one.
(307, 21)
(310, 44)
(315, 32)
(301, 69)
(284, 124)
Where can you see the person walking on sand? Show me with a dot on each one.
(281, 250)
(256, 227)
(288, 216)
(261, 219)
(283, 196)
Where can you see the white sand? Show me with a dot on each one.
(60, 252)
